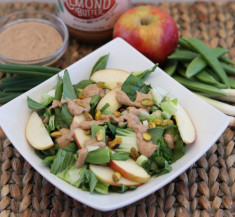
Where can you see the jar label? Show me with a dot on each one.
(87, 9)
(91, 15)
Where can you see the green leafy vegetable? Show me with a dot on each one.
(156, 134)
(120, 156)
(100, 64)
(47, 98)
(178, 150)
(33, 105)
(143, 75)
(118, 189)
(110, 129)
(68, 90)
(72, 147)
(72, 175)
(101, 187)
(99, 156)
(133, 84)
(65, 115)
(48, 160)
(129, 140)
(62, 160)
(51, 126)
(93, 103)
(82, 84)
(45, 153)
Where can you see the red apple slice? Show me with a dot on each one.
(110, 98)
(130, 170)
(105, 173)
(36, 133)
(79, 135)
(185, 125)
(109, 75)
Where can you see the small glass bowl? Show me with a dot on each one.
(36, 16)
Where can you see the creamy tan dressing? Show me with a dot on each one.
(73, 107)
(92, 90)
(169, 138)
(123, 99)
(82, 154)
(146, 148)
(55, 104)
(93, 142)
(76, 109)
(66, 138)
(29, 41)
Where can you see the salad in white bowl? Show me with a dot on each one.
(111, 132)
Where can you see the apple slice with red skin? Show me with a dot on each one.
(36, 133)
(130, 170)
(185, 125)
(109, 75)
(79, 135)
(110, 98)
(105, 173)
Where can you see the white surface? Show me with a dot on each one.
(209, 123)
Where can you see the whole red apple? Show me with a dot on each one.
(149, 29)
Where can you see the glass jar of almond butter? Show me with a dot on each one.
(91, 21)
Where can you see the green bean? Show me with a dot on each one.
(210, 58)
(226, 60)
(58, 95)
(205, 77)
(61, 124)
(183, 55)
(232, 82)
(219, 51)
(198, 86)
(229, 69)
(181, 70)
(38, 74)
(16, 67)
(198, 63)
(195, 66)
(185, 44)
(59, 89)
(220, 86)
(65, 115)
(171, 67)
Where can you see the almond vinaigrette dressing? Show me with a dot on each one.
(29, 41)
(146, 148)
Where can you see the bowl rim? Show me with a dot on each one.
(53, 55)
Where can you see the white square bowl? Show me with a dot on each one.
(209, 123)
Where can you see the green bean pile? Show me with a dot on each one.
(201, 69)
(27, 77)
(206, 71)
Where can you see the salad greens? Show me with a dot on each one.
(117, 140)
